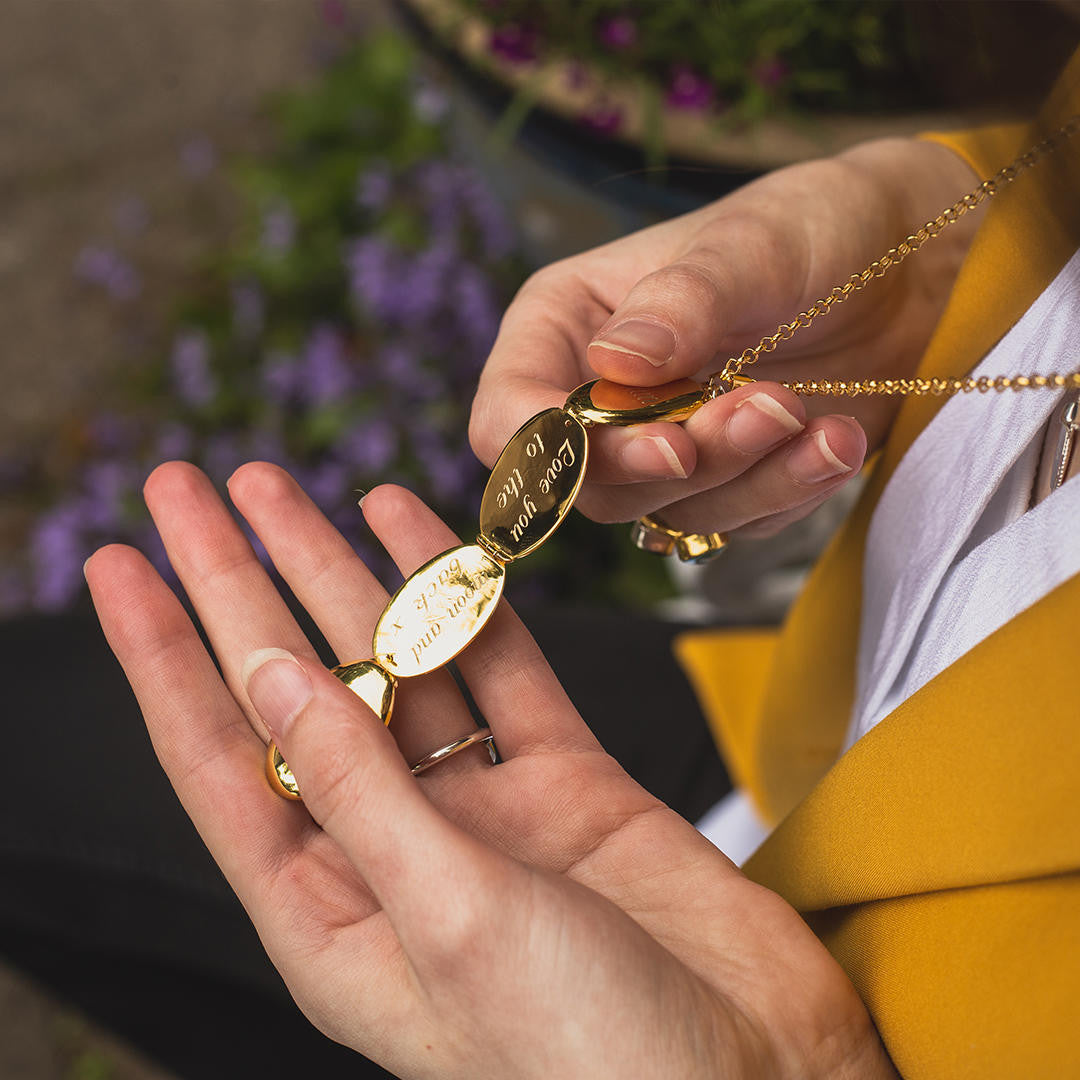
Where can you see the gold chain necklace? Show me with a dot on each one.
(879, 268)
(442, 607)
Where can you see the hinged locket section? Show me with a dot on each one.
(604, 402)
(371, 684)
(437, 611)
(533, 484)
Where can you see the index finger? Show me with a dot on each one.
(537, 358)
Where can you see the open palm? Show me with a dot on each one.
(543, 917)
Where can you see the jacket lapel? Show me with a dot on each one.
(1030, 231)
(965, 784)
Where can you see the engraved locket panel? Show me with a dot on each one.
(534, 483)
(438, 611)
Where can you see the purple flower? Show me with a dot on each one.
(327, 484)
(326, 375)
(451, 475)
(198, 157)
(516, 43)
(267, 446)
(191, 373)
(111, 433)
(174, 442)
(222, 456)
(106, 484)
(372, 266)
(618, 32)
(370, 446)
(280, 377)
(108, 269)
(496, 230)
(477, 310)
(374, 187)
(603, 117)
(771, 72)
(58, 552)
(440, 186)
(425, 282)
(248, 310)
(689, 90)
(278, 229)
(397, 363)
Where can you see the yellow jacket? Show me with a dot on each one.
(939, 858)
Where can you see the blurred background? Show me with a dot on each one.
(286, 229)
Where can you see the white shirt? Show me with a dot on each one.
(953, 551)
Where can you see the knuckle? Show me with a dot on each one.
(688, 283)
(546, 279)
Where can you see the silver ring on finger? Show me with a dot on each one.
(474, 738)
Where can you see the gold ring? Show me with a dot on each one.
(480, 735)
(649, 533)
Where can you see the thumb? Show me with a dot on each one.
(670, 325)
(355, 782)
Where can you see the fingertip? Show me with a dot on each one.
(170, 475)
(659, 452)
(831, 448)
(112, 560)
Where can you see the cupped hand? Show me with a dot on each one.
(542, 917)
(675, 300)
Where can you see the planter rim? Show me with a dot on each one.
(769, 143)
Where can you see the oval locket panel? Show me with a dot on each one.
(438, 611)
(534, 483)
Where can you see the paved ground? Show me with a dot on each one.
(97, 98)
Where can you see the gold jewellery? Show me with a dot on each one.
(651, 534)
(445, 604)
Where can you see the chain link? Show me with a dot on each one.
(937, 387)
(722, 380)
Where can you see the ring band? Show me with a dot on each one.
(651, 534)
(480, 735)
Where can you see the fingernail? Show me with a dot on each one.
(812, 460)
(758, 422)
(653, 455)
(277, 686)
(649, 340)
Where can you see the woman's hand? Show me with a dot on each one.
(545, 917)
(677, 299)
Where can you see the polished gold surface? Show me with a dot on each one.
(722, 380)
(650, 533)
(936, 387)
(533, 484)
(604, 402)
(371, 684)
(438, 611)
(279, 775)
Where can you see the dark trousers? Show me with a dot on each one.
(108, 896)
